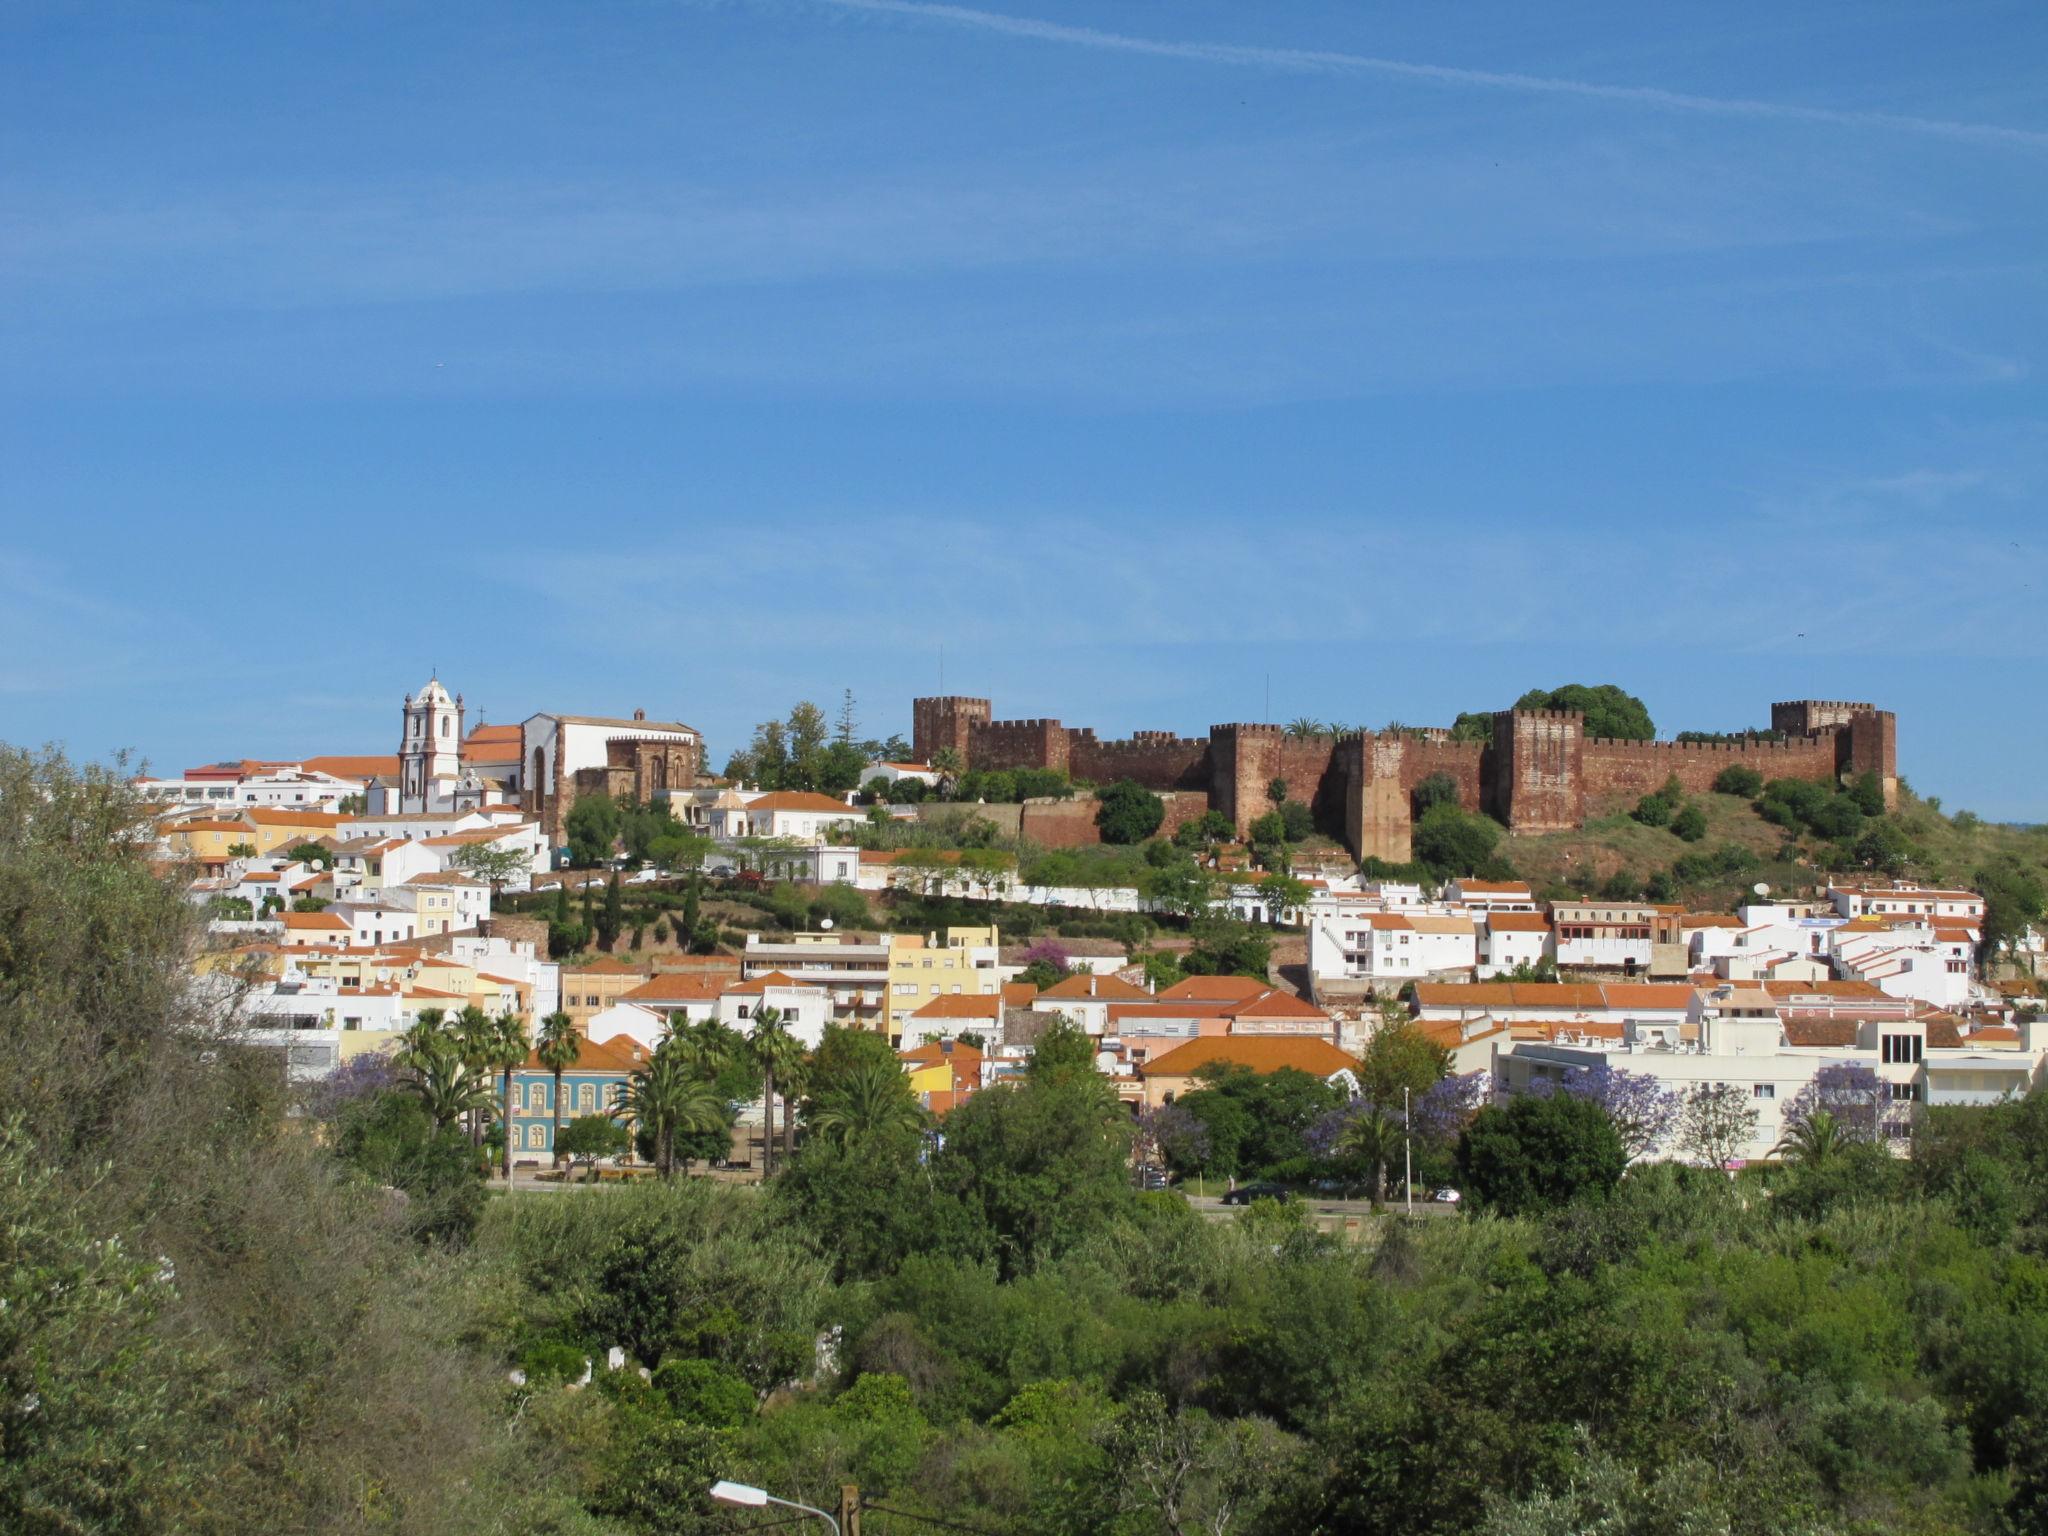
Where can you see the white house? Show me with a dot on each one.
(1510, 938)
(804, 1009)
(896, 773)
(1601, 935)
(1917, 1061)
(790, 813)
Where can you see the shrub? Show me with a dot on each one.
(1739, 779)
(1690, 824)
(1127, 812)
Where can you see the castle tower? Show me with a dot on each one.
(946, 721)
(430, 751)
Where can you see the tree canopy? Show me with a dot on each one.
(1610, 711)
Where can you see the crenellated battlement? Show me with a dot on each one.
(1537, 773)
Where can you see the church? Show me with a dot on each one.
(540, 765)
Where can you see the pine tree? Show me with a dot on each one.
(613, 918)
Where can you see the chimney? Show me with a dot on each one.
(639, 714)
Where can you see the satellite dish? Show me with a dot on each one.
(1761, 888)
(825, 922)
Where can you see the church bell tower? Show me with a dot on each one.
(430, 752)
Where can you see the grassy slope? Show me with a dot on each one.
(1952, 852)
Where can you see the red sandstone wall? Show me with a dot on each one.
(944, 722)
(1156, 759)
(1017, 744)
(1636, 768)
(1071, 823)
(1538, 780)
(1464, 761)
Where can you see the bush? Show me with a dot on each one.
(1690, 824)
(1295, 821)
(1454, 842)
(1437, 789)
(704, 1392)
(1127, 812)
(1739, 779)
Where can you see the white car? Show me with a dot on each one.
(1447, 1197)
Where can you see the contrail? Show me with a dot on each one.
(1317, 61)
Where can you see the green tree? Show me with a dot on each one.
(558, 1044)
(1399, 1057)
(666, 1100)
(593, 829)
(309, 852)
(1452, 842)
(1537, 1152)
(872, 1101)
(2013, 901)
(1126, 812)
(1373, 1137)
(436, 1069)
(1610, 712)
(611, 918)
(777, 1053)
(509, 1050)
(589, 1138)
(1438, 789)
(492, 863)
(1041, 1165)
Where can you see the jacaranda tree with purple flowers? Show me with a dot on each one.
(1642, 1109)
(1845, 1105)
(1366, 1135)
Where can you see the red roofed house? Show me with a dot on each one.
(1172, 1074)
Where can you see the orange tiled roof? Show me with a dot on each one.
(801, 800)
(1226, 989)
(1085, 986)
(962, 1007)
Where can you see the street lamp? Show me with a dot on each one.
(743, 1497)
(1407, 1157)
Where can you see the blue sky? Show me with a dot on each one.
(702, 357)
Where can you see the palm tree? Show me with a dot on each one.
(558, 1046)
(873, 1100)
(508, 1054)
(435, 1071)
(947, 765)
(1813, 1140)
(1372, 1135)
(1304, 726)
(475, 1033)
(664, 1098)
(774, 1049)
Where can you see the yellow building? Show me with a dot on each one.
(279, 827)
(589, 991)
(207, 841)
(961, 964)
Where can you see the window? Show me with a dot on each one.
(1900, 1050)
(1763, 1090)
(1904, 1093)
(586, 1096)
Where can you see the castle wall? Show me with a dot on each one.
(1010, 744)
(1536, 774)
(1802, 717)
(944, 722)
(1071, 823)
(1159, 760)
(1538, 784)
(1636, 768)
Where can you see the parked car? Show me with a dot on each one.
(1447, 1197)
(1152, 1178)
(1245, 1194)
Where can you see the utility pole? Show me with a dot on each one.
(849, 1509)
(1407, 1156)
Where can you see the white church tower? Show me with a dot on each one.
(430, 755)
